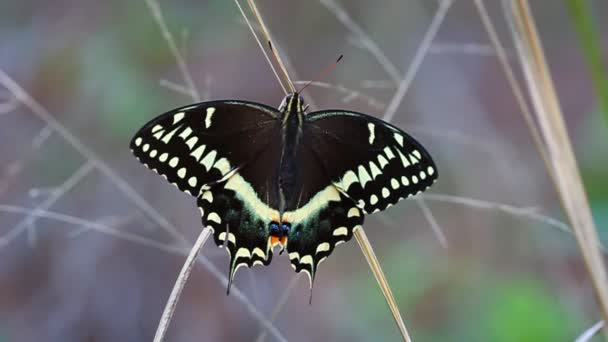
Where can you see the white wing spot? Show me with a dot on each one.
(413, 159)
(208, 196)
(181, 172)
(198, 152)
(389, 153)
(324, 247)
(156, 128)
(385, 192)
(294, 255)
(417, 154)
(208, 160)
(214, 217)
(173, 162)
(259, 252)
(307, 259)
(405, 181)
(191, 142)
(364, 177)
(394, 183)
(222, 165)
(353, 212)
(153, 153)
(178, 117)
(163, 157)
(242, 253)
(138, 141)
(192, 181)
(168, 137)
(185, 133)
(399, 139)
(340, 231)
(146, 147)
(415, 179)
(349, 178)
(430, 170)
(372, 135)
(210, 112)
(373, 199)
(375, 170)
(383, 162)
(403, 159)
(422, 175)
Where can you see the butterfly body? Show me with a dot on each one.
(264, 177)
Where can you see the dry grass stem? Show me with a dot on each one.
(589, 333)
(157, 14)
(279, 306)
(184, 274)
(374, 265)
(54, 196)
(88, 154)
(428, 214)
(261, 46)
(515, 87)
(414, 66)
(567, 179)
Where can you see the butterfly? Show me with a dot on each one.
(265, 178)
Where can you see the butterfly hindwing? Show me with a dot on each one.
(374, 163)
(200, 144)
(236, 226)
(318, 227)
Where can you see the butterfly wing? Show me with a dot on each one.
(241, 208)
(205, 150)
(373, 162)
(201, 144)
(321, 217)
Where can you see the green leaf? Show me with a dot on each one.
(590, 42)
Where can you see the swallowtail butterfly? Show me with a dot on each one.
(266, 177)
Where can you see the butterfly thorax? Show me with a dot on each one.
(292, 119)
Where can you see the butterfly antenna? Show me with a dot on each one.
(322, 73)
(258, 17)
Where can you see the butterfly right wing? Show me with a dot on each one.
(201, 144)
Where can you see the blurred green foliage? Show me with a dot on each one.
(590, 42)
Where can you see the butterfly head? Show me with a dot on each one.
(292, 103)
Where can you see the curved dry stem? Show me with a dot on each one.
(157, 14)
(181, 280)
(421, 52)
(589, 333)
(372, 260)
(567, 179)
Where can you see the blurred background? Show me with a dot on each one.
(85, 252)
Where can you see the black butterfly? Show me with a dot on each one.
(264, 177)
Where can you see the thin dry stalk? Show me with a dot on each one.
(154, 7)
(181, 280)
(567, 178)
(370, 256)
(589, 333)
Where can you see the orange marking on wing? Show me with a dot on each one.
(273, 240)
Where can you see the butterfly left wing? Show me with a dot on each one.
(373, 162)
(201, 144)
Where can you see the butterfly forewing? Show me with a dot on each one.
(372, 162)
(201, 144)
